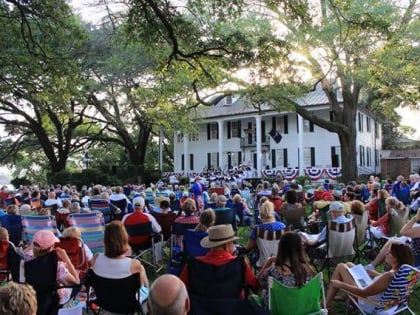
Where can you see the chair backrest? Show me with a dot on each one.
(62, 220)
(41, 274)
(92, 227)
(397, 221)
(361, 226)
(225, 216)
(34, 223)
(340, 238)
(13, 224)
(400, 288)
(267, 243)
(223, 281)
(140, 234)
(191, 242)
(102, 206)
(76, 253)
(115, 295)
(165, 221)
(297, 300)
(295, 217)
(9, 262)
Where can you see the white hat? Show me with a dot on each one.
(139, 202)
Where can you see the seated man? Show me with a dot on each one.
(337, 215)
(139, 217)
(232, 273)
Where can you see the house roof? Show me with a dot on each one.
(241, 106)
(410, 153)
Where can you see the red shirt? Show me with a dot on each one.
(137, 217)
(221, 257)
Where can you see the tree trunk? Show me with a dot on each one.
(348, 155)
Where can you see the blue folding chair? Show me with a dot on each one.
(102, 206)
(13, 224)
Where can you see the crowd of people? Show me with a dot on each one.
(260, 207)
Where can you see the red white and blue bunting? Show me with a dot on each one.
(314, 173)
(268, 172)
(290, 173)
(333, 172)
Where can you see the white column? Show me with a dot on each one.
(186, 155)
(220, 143)
(300, 145)
(259, 140)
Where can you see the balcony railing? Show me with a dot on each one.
(251, 141)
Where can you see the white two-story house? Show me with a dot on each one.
(233, 133)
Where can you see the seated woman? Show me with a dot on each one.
(381, 228)
(114, 264)
(207, 219)
(410, 233)
(44, 243)
(396, 256)
(290, 267)
(74, 232)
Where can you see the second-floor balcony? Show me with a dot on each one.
(251, 141)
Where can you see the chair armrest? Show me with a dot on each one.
(355, 297)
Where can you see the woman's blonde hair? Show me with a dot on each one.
(72, 231)
(237, 198)
(18, 299)
(12, 209)
(267, 211)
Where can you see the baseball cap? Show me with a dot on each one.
(45, 239)
(336, 206)
(139, 202)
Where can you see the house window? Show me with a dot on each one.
(376, 157)
(180, 137)
(212, 131)
(214, 159)
(308, 126)
(335, 156)
(282, 124)
(228, 100)
(368, 156)
(360, 121)
(193, 136)
(234, 129)
(280, 158)
(309, 156)
(368, 124)
(376, 130)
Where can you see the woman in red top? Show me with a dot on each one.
(381, 228)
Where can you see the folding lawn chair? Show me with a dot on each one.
(13, 224)
(395, 296)
(102, 206)
(302, 300)
(33, 223)
(92, 227)
(9, 262)
(121, 296)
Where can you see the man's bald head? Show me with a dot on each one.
(168, 295)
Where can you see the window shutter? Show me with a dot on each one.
(217, 128)
(285, 162)
(297, 123)
(273, 158)
(273, 122)
(239, 128)
(228, 129)
(229, 159)
(311, 126)
(312, 156)
(240, 157)
(208, 131)
(191, 161)
(208, 160)
(218, 160)
(182, 162)
(286, 124)
(263, 131)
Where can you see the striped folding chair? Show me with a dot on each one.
(92, 227)
(102, 206)
(33, 223)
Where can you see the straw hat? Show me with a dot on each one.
(219, 235)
